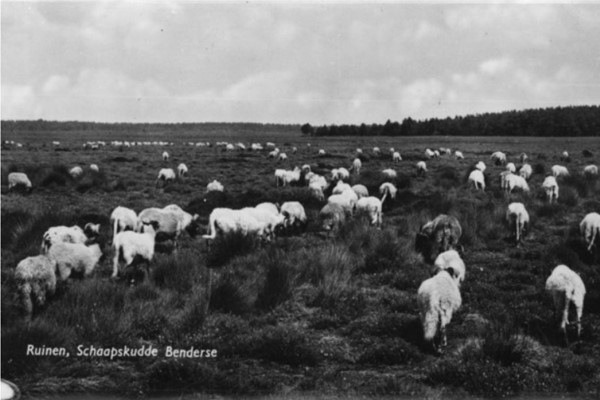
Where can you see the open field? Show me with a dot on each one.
(306, 313)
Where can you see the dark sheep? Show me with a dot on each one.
(435, 237)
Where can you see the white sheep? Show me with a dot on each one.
(62, 234)
(341, 187)
(18, 179)
(518, 219)
(269, 207)
(272, 219)
(273, 153)
(214, 186)
(170, 221)
(36, 281)
(590, 170)
(290, 177)
(123, 218)
(396, 157)
(511, 167)
(477, 178)
(386, 190)
(421, 167)
(445, 150)
(566, 288)
(565, 156)
(165, 156)
(282, 157)
(559, 170)
(525, 171)
(356, 165)
(438, 298)
(76, 172)
(360, 190)
(513, 182)
(322, 153)
(75, 257)
(480, 166)
(450, 260)
(182, 170)
(91, 230)
(226, 220)
(165, 175)
(359, 151)
(372, 207)
(376, 150)
(429, 154)
(590, 229)
(459, 155)
(294, 214)
(550, 186)
(436, 153)
(340, 174)
(332, 217)
(523, 157)
(498, 157)
(346, 200)
(131, 246)
(94, 167)
(389, 173)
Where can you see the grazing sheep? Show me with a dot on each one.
(316, 186)
(265, 214)
(518, 219)
(525, 171)
(341, 187)
(74, 257)
(445, 150)
(18, 179)
(294, 150)
(165, 175)
(566, 287)
(290, 177)
(559, 170)
(498, 157)
(421, 167)
(306, 169)
(389, 173)
(134, 247)
(372, 207)
(62, 234)
(429, 154)
(279, 174)
(332, 217)
(356, 166)
(182, 170)
(282, 157)
(94, 167)
(441, 234)
(340, 174)
(511, 167)
(122, 219)
(76, 172)
(438, 298)
(513, 182)
(347, 200)
(170, 221)
(504, 180)
(550, 186)
(523, 157)
(322, 153)
(36, 281)
(91, 230)
(590, 170)
(226, 220)
(459, 155)
(590, 229)
(387, 189)
(165, 156)
(376, 150)
(214, 186)
(477, 178)
(436, 154)
(396, 157)
(450, 260)
(359, 151)
(480, 166)
(269, 207)
(565, 156)
(294, 215)
(273, 153)
(360, 190)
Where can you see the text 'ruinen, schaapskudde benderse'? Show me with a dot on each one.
(120, 352)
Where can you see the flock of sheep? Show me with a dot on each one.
(70, 249)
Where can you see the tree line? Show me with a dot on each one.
(558, 121)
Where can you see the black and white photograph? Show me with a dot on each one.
(309, 200)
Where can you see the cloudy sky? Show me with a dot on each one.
(323, 63)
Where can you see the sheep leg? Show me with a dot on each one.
(565, 319)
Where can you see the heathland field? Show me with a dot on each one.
(307, 313)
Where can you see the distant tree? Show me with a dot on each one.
(307, 129)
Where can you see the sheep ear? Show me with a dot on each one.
(451, 272)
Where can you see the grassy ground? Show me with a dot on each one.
(306, 313)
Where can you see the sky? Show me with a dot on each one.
(293, 62)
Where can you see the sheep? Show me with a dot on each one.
(271, 218)
(36, 281)
(359, 151)
(523, 157)
(282, 157)
(504, 180)
(294, 215)
(165, 156)
(360, 190)
(123, 218)
(459, 155)
(511, 167)
(74, 257)
(347, 200)
(566, 288)
(518, 219)
(294, 150)
(182, 170)
(165, 175)
(389, 173)
(480, 166)
(421, 167)
(332, 217)
(525, 171)
(240, 146)
(273, 153)
(516, 181)
(590, 229)
(438, 298)
(429, 154)
(396, 157)
(290, 177)
(356, 166)
(171, 221)
(226, 220)
(76, 172)
(498, 157)
(372, 207)
(306, 169)
(91, 230)
(565, 156)
(450, 259)
(61, 234)
(269, 207)
(438, 235)
(376, 150)
(445, 150)
(340, 187)
(134, 246)
(214, 186)
(477, 178)
(559, 170)
(322, 153)
(94, 167)
(590, 170)
(436, 154)
(279, 174)
(387, 189)
(550, 186)
(340, 174)
(18, 179)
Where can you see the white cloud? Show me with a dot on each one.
(495, 66)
